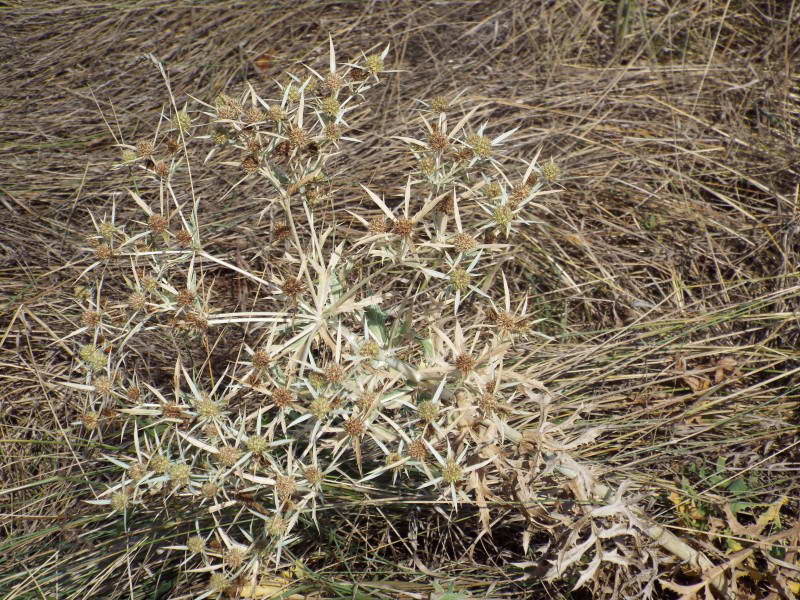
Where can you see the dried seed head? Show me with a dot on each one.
(277, 526)
(157, 223)
(185, 297)
(480, 145)
(365, 401)
(253, 115)
(551, 171)
(285, 486)
(134, 394)
(392, 458)
(331, 107)
(208, 409)
(518, 195)
(91, 318)
(107, 230)
(313, 475)
(159, 463)
(90, 420)
(428, 411)
(235, 557)
(487, 403)
(446, 205)
(137, 301)
(120, 501)
(196, 544)
(463, 242)
(257, 444)
(218, 583)
(137, 471)
(333, 132)
(333, 82)
(282, 398)
(173, 145)
(440, 104)
(438, 141)
(293, 287)
(228, 455)
(280, 232)
(145, 148)
(261, 359)
(172, 411)
(180, 473)
(276, 114)
(333, 373)
(182, 121)
(355, 427)
(249, 164)
(320, 407)
(92, 356)
(183, 238)
(103, 252)
(209, 489)
(452, 472)
(378, 225)
(161, 169)
(417, 450)
(403, 227)
(503, 215)
(460, 279)
(103, 385)
(427, 165)
(465, 363)
(492, 190)
(374, 64)
(297, 136)
(369, 349)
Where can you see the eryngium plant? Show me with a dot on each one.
(376, 344)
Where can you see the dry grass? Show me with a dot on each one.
(663, 280)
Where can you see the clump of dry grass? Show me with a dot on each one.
(660, 284)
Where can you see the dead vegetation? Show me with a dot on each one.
(648, 444)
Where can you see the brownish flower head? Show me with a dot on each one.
(157, 223)
(161, 168)
(234, 557)
(438, 141)
(103, 252)
(172, 411)
(333, 132)
(354, 427)
(293, 287)
(209, 489)
(253, 115)
(280, 232)
(465, 363)
(183, 238)
(137, 471)
(440, 104)
(228, 455)
(428, 411)
(463, 242)
(91, 318)
(452, 472)
(446, 205)
(134, 394)
(297, 136)
(480, 145)
(378, 225)
(285, 486)
(366, 400)
(403, 227)
(218, 583)
(392, 458)
(333, 373)
(137, 301)
(487, 402)
(276, 114)
(173, 145)
(492, 190)
(250, 164)
(261, 359)
(313, 475)
(282, 398)
(333, 82)
(90, 420)
(417, 450)
(518, 195)
(103, 385)
(159, 463)
(185, 297)
(145, 148)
